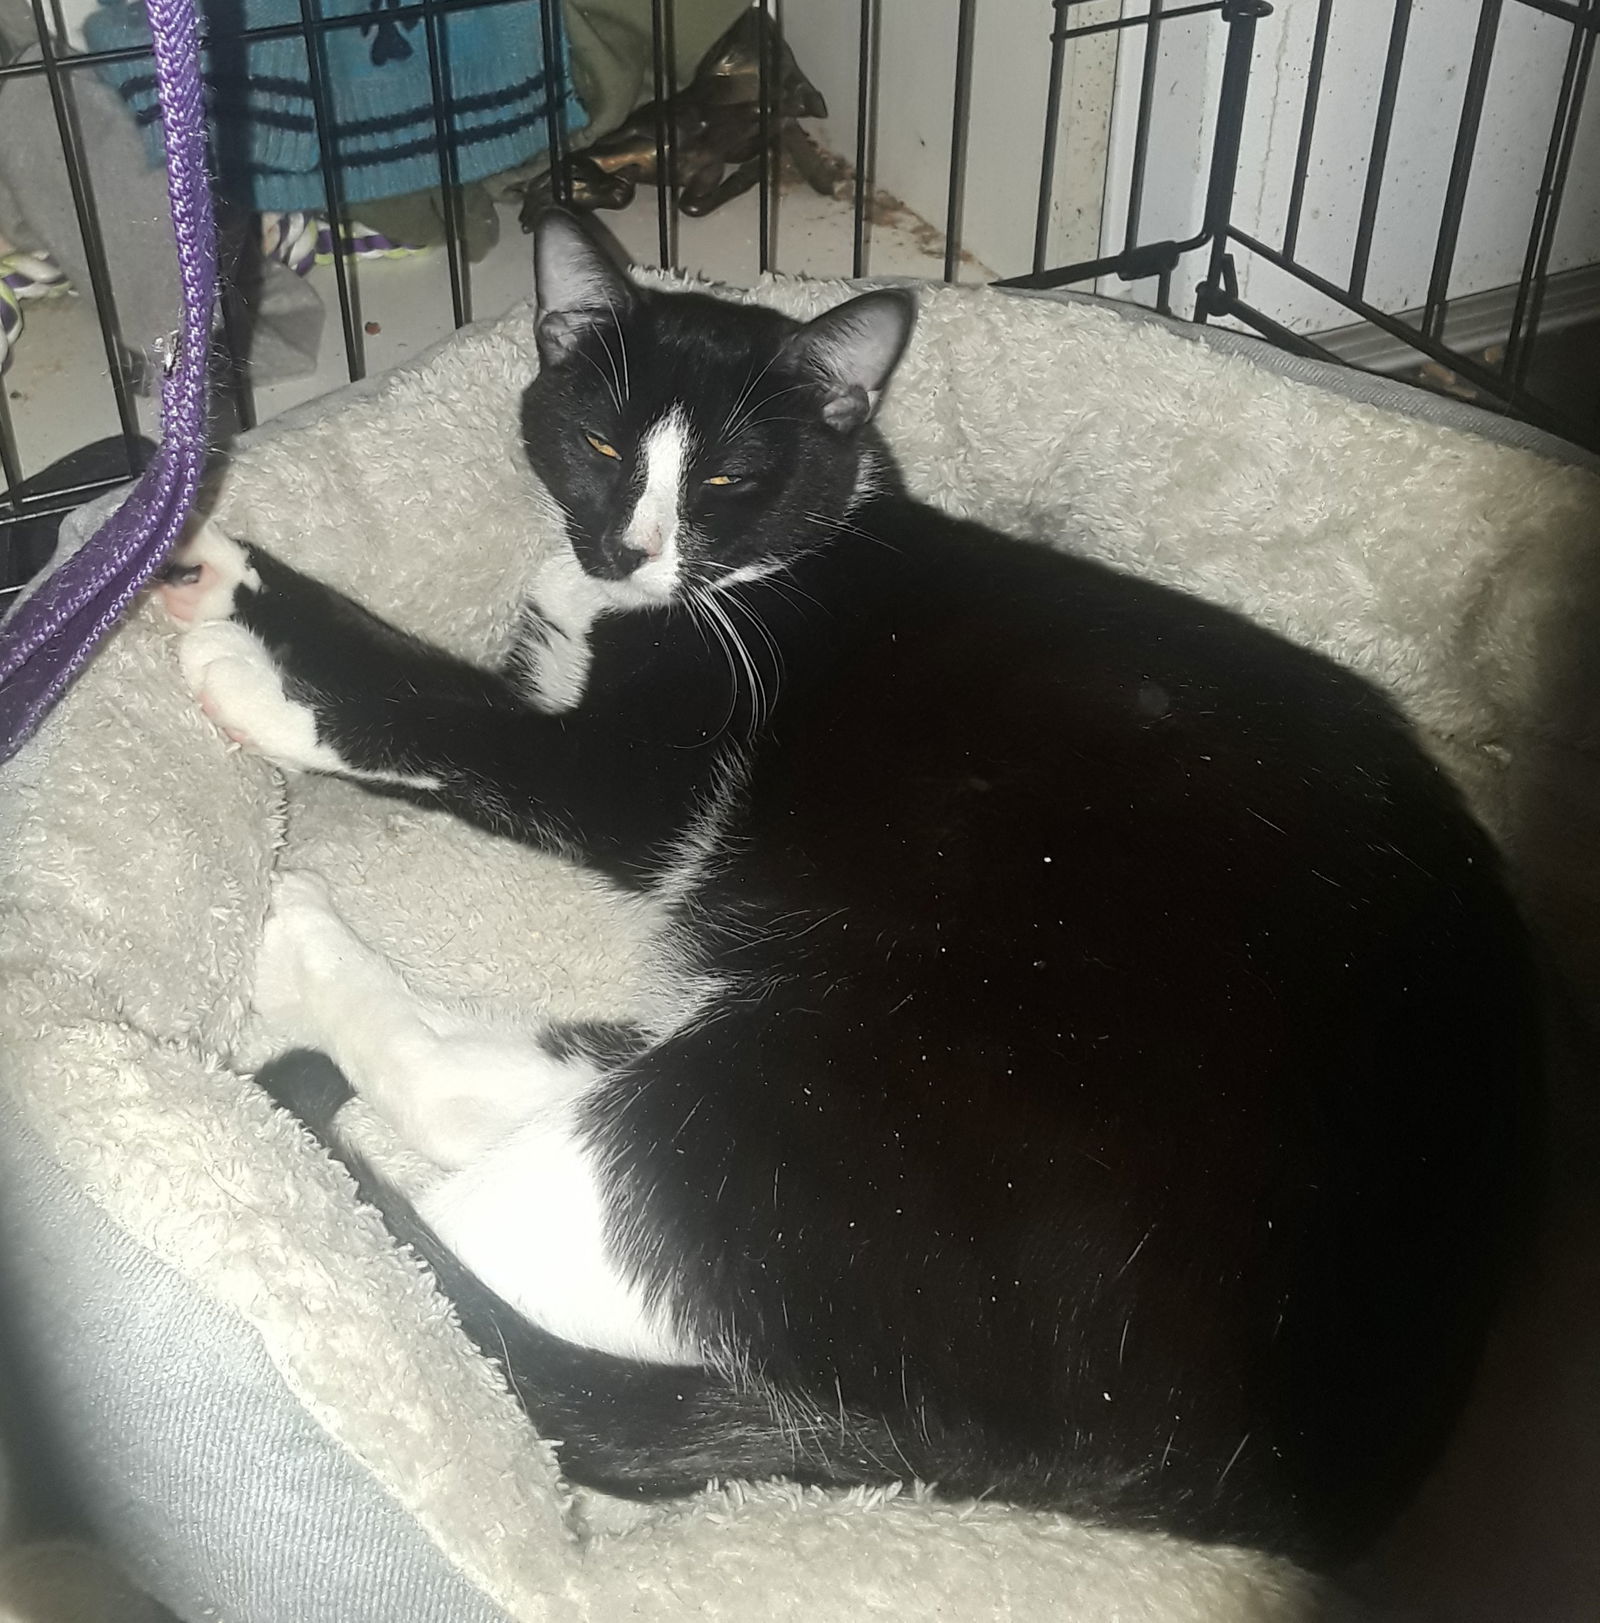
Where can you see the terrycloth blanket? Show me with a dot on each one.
(267, 1410)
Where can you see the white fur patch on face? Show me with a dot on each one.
(657, 519)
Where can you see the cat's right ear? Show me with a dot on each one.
(577, 284)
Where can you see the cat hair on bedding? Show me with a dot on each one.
(1099, 1065)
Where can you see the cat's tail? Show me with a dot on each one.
(627, 1428)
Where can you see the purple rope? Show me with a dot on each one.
(50, 637)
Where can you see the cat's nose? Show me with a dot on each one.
(620, 557)
(628, 547)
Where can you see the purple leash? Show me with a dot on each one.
(48, 640)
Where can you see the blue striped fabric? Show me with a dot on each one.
(379, 87)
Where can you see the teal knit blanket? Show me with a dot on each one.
(379, 84)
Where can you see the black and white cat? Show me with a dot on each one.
(1102, 1055)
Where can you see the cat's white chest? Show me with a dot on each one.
(556, 661)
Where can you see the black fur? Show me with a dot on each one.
(1121, 1098)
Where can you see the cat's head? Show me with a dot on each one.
(691, 441)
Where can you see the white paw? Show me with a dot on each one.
(304, 946)
(241, 689)
(206, 571)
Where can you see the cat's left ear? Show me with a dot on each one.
(854, 348)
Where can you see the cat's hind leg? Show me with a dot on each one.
(448, 1084)
(526, 1205)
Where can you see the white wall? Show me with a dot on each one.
(1513, 135)
(1010, 79)
(1182, 121)
(1089, 205)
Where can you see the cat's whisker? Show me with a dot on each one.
(888, 1427)
(758, 697)
(777, 573)
(617, 392)
(749, 419)
(611, 389)
(689, 600)
(840, 526)
(794, 591)
(772, 422)
(619, 388)
(622, 344)
(699, 605)
(749, 388)
(759, 701)
(560, 506)
(766, 636)
(743, 395)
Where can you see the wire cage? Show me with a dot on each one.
(1395, 183)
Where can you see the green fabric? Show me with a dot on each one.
(417, 219)
(611, 52)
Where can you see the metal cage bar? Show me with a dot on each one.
(1308, 124)
(1052, 135)
(1552, 186)
(449, 181)
(230, 305)
(766, 168)
(664, 64)
(10, 458)
(21, 499)
(1216, 238)
(1378, 153)
(553, 38)
(866, 87)
(1141, 138)
(1455, 192)
(355, 349)
(960, 127)
(1490, 381)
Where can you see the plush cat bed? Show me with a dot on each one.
(262, 1404)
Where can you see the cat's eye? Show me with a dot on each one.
(724, 479)
(604, 447)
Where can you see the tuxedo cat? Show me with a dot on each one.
(1093, 1056)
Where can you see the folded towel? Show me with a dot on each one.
(380, 89)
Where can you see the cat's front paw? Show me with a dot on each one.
(239, 686)
(205, 589)
(205, 576)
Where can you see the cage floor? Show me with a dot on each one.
(60, 397)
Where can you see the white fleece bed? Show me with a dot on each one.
(263, 1406)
